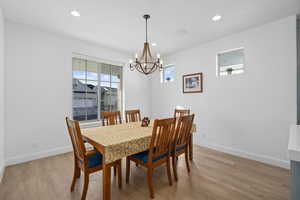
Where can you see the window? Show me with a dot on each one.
(96, 87)
(230, 62)
(168, 73)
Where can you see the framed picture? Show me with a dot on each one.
(192, 83)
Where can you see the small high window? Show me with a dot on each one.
(230, 62)
(168, 73)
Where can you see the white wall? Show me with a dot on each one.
(248, 114)
(1, 94)
(38, 92)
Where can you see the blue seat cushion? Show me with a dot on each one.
(180, 148)
(143, 156)
(94, 160)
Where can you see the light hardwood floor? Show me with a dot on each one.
(214, 176)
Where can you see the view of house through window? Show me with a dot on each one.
(97, 87)
(230, 62)
(168, 73)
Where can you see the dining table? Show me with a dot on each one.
(119, 141)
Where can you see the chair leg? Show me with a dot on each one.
(174, 165)
(191, 148)
(186, 154)
(75, 176)
(85, 185)
(79, 173)
(150, 182)
(169, 171)
(127, 170)
(115, 171)
(119, 166)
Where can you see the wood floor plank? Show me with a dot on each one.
(214, 176)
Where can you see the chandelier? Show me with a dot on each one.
(146, 63)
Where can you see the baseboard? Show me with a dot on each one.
(261, 158)
(35, 156)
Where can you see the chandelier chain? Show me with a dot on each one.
(146, 29)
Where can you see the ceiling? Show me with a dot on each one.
(174, 24)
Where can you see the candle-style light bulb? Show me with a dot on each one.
(130, 61)
(158, 55)
(161, 62)
(136, 55)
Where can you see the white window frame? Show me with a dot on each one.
(218, 71)
(94, 123)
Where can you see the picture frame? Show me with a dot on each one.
(192, 83)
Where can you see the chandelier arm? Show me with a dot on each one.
(133, 66)
(154, 68)
(140, 67)
(136, 65)
(143, 70)
(161, 67)
(139, 70)
(148, 67)
(158, 66)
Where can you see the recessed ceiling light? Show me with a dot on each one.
(216, 18)
(75, 13)
(154, 44)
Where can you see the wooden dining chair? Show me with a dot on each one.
(181, 112)
(158, 153)
(86, 161)
(111, 118)
(132, 116)
(181, 141)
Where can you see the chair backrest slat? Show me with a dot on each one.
(76, 139)
(111, 118)
(162, 137)
(132, 116)
(181, 112)
(183, 130)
